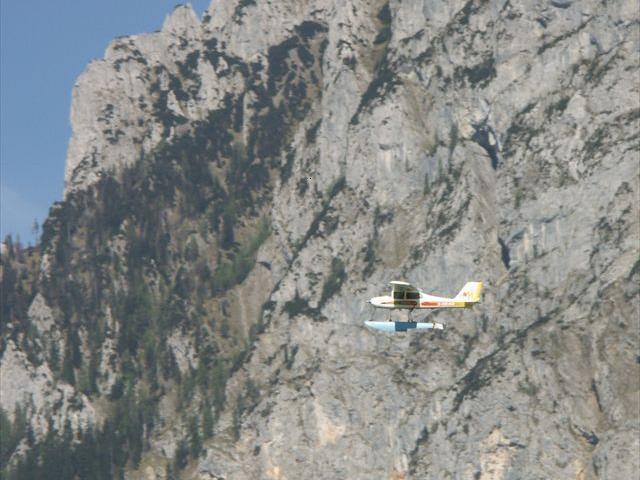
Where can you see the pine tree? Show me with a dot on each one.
(207, 421)
(182, 452)
(6, 437)
(76, 353)
(20, 423)
(195, 441)
(68, 374)
(54, 356)
(168, 472)
(219, 385)
(94, 371)
(35, 229)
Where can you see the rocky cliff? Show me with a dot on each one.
(237, 186)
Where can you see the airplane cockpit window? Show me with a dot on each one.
(398, 295)
(413, 295)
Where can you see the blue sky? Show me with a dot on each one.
(44, 46)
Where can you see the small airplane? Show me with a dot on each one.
(406, 296)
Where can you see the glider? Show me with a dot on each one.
(407, 297)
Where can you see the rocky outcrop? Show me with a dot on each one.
(465, 142)
(125, 105)
(46, 404)
(436, 143)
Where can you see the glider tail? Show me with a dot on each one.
(470, 293)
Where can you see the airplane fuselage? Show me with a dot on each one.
(424, 302)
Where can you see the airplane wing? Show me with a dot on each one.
(402, 286)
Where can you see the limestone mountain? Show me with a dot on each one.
(238, 185)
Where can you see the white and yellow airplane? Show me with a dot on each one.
(407, 297)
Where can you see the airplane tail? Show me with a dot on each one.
(470, 293)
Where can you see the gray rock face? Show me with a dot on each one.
(445, 142)
(122, 103)
(46, 403)
(481, 141)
